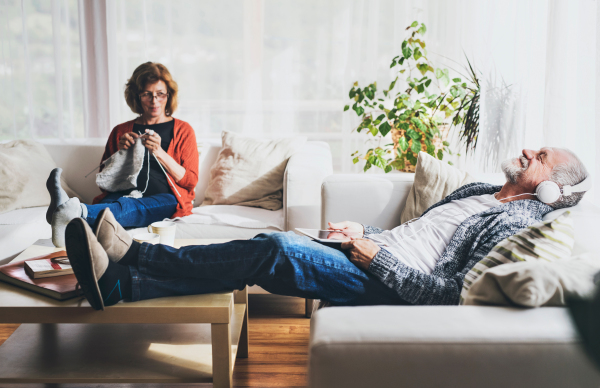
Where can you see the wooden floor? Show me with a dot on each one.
(278, 348)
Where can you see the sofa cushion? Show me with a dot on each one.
(547, 240)
(434, 180)
(24, 168)
(446, 346)
(249, 171)
(535, 283)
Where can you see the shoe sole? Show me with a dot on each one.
(78, 250)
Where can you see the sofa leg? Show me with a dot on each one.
(308, 307)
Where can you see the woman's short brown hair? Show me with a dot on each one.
(150, 73)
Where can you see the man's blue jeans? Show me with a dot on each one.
(134, 212)
(281, 263)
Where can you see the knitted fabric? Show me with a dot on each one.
(121, 170)
(183, 149)
(472, 241)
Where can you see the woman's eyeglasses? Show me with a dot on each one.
(148, 96)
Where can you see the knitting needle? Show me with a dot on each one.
(95, 168)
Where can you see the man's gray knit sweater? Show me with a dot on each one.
(472, 241)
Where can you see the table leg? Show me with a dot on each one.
(308, 307)
(221, 355)
(242, 297)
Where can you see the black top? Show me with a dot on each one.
(158, 183)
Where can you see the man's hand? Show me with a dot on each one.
(362, 252)
(347, 227)
(127, 140)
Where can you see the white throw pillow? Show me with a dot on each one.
(434, 180)
(535, 283)
(249, 171)
(24, 168)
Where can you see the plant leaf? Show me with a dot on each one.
(414, 134)
(438, 73)
(393, 84)
(346, 107)
(385, 128)
(403, 144)
(417, 54)
(431, 150)
(440, 154)
(416, 146)
(414, 24)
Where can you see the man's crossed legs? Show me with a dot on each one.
(110, 266)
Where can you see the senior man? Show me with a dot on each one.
(421, 262)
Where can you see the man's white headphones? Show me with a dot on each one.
(549, 192)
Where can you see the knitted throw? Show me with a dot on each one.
(122, 168)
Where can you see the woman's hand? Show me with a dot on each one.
(127, 140)
(152, 142)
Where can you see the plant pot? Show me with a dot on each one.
(437, 142)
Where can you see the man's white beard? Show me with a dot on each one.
(512, 170)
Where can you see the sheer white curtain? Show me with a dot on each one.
(275, 68)
(40, 70)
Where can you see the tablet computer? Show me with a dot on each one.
(328, 236)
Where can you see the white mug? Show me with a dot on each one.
(150, 238)
(166, 231)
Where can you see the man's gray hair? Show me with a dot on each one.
(570, 173)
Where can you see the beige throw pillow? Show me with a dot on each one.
(535, 283)
(434, 180)
(249, 172)
(24, 169)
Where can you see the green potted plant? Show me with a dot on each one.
(419, 113)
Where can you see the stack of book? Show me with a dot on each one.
(49, 275)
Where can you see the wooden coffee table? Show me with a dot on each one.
(183, 339)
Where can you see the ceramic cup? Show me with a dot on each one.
(151, 238)
(166, 231)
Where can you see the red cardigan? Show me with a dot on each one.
(183, 149)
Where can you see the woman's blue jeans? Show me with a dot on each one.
(281, 263)
(134, 212)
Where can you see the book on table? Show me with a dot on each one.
(55, 264)
(56, 287)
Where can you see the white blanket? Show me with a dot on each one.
(240, 216)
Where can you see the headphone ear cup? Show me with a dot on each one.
(548, 192)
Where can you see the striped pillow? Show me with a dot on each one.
(548, 240)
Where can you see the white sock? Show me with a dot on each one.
(61, 218)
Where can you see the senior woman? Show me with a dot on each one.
(167, 182)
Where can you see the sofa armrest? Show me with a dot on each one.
(371, 199)
(302, 181)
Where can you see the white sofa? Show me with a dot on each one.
(301, 195)
(440, 346)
